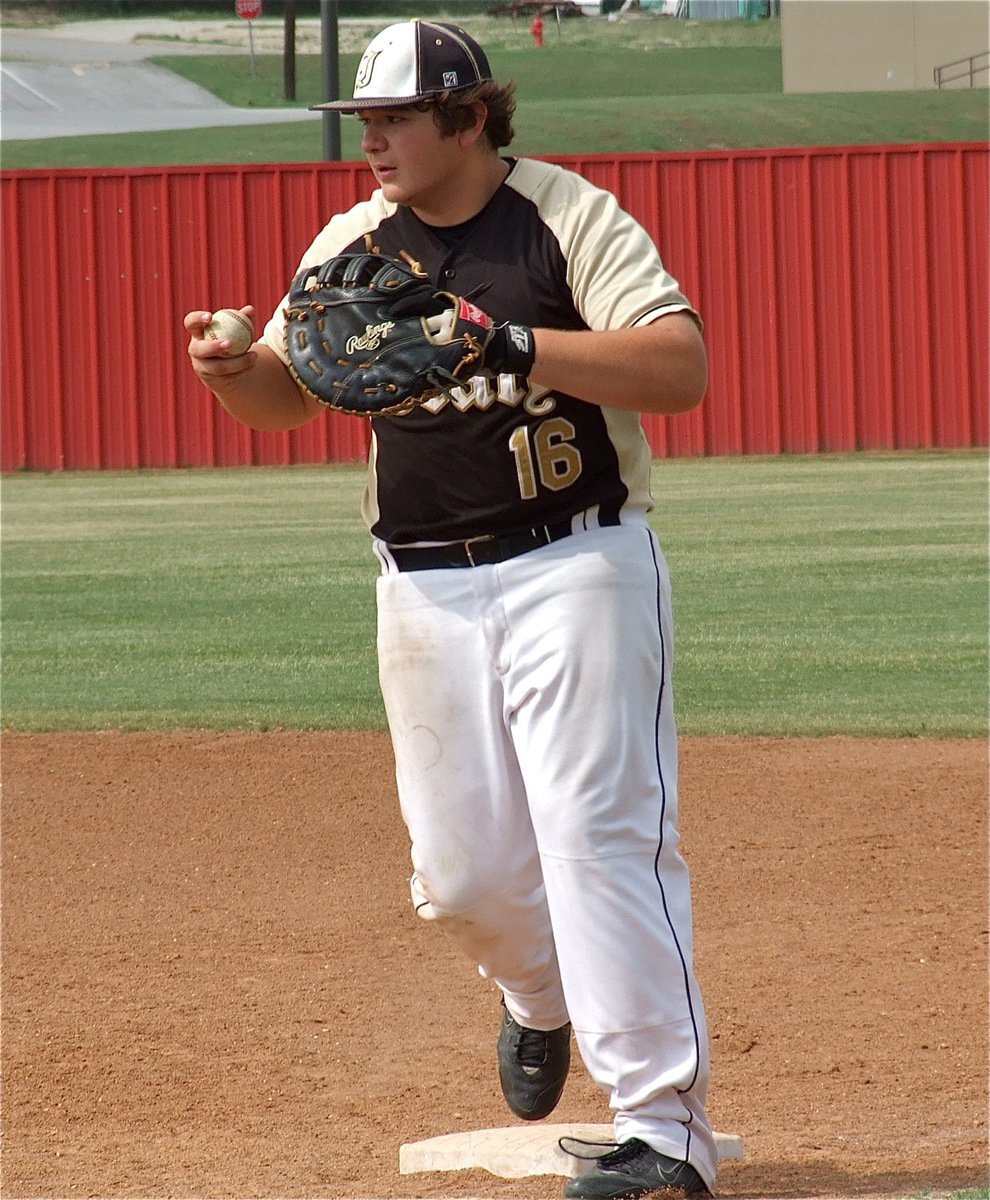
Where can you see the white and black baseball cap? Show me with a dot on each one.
(413, 61)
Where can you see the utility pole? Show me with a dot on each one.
(289, 50)
(331, 78)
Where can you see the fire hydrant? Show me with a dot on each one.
(537, 31)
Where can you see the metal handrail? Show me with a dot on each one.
(970, 72)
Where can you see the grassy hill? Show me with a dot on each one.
(647, 84)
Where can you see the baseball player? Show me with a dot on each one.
(525, 636)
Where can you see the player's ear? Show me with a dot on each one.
(472, 132)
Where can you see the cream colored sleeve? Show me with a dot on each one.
(614, 270)
(339, 233)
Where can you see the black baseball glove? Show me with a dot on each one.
(368, 334)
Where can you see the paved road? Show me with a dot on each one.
(91, 77)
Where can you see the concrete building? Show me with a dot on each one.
(883, 45)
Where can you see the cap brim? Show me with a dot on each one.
(352, 106)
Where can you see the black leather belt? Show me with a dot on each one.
(479, 551)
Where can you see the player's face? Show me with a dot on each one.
(413, 164)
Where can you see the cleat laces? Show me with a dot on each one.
(531, 1049)
(575, 1147)
(625, 1153)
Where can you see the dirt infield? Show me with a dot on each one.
(214, 985)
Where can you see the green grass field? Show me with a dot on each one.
(813, 595)
(596, 87)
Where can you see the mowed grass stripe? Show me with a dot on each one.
(834, 595)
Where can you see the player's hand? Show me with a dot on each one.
(208, 356)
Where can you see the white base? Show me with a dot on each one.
(521, 1150)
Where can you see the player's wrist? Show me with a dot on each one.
(511, 350)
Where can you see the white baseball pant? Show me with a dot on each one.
(530, 709)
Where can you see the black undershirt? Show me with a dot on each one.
(452, 235)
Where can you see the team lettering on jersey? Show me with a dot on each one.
(481, 394)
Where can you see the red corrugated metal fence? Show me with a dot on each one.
(844, 290)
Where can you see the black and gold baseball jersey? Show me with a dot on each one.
(549, 249)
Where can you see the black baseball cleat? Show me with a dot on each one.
(532, 1067)
(634, 1170)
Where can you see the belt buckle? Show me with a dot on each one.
(484, 537)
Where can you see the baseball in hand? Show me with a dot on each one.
(233, 326)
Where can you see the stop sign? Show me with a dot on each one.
(248, 9)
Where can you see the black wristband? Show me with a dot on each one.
(511, 350)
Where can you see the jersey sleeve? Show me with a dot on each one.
(614, 270)
(340, 232)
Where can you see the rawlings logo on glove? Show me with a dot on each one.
(368, 334)
(471, 312)
(372, 337)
